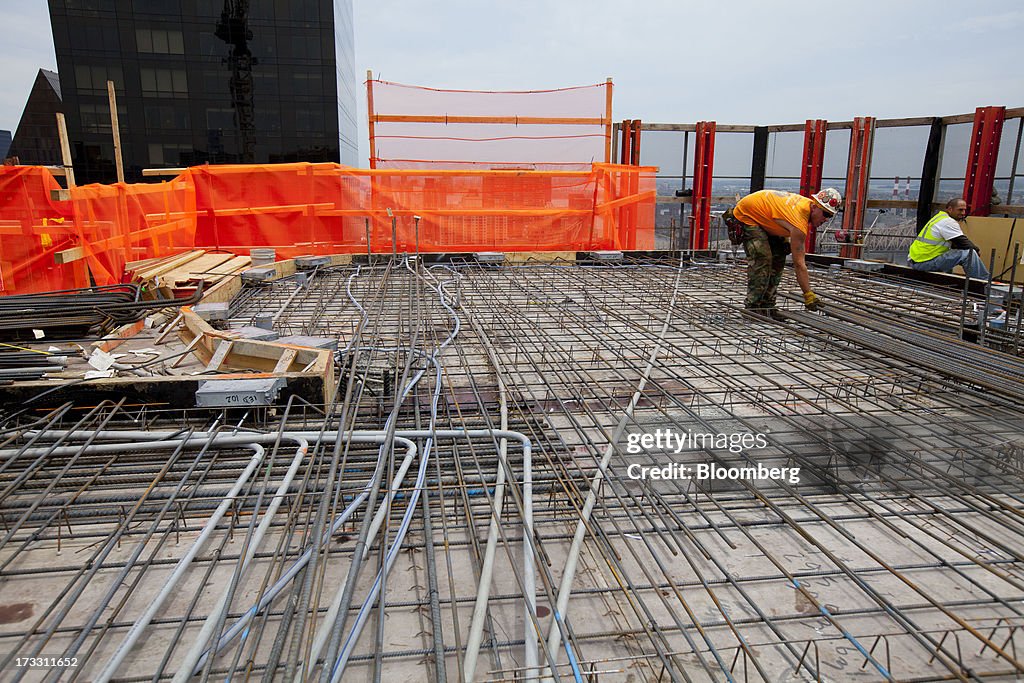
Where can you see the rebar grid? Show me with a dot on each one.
(896, 555)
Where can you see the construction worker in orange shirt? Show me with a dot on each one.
(771, 224)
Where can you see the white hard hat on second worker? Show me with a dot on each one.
(828, 199)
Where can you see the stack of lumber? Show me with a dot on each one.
(178, 276)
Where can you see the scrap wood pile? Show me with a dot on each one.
(178, 276)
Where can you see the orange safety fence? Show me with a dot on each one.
(326, 208)
(129, 222)
(33, 228)
(308, 208)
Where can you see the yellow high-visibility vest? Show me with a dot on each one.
(927, 245)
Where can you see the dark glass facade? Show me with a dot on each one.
(36, 141)
(204, 81)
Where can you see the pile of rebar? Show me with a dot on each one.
(77, 313)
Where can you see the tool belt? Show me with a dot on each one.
(736, 228)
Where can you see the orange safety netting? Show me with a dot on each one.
(326, 208)
(415, 126)
(33, 228)
(130, 222)
(308, 208)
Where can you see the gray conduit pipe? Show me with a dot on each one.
(153, 438)
(213, 618)
(183, 564)
(483, 589)
(571, 562)
(195, 653)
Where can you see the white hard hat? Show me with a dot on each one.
(828, 199)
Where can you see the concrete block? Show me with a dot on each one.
(239, 393)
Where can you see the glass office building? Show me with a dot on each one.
(206, 81)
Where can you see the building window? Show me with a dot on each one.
(167, 154)
(309, 120)
(166, 117)
(220, 119)
(163, 82)
(93, 79)
(96, 118)
(159, 41)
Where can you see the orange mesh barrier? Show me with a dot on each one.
(326, 208)
(313, 209)
(413, 126)
(122, 222)
(32, 229)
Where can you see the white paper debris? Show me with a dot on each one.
(93, 374)
(39, 334)
(101, 360)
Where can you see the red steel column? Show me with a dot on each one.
(858, 172)
(703, 171)
(812, 167)
(981, 159)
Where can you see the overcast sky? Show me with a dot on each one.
(732, 61)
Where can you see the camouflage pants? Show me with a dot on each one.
(766, 257)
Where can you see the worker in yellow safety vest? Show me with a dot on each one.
(771, 224)
(942, 244)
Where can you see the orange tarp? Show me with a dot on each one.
(326, 208)
(121, 222)
(316, 209)
(33, 228)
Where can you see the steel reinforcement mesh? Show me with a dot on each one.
(148, 544)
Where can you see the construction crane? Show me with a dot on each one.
(233, 29)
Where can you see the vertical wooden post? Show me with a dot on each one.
(369, 112)
(608, 121)
(65, 150)
(116, 131)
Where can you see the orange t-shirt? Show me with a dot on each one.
(765, 206)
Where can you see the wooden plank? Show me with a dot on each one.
(516, 120)
(120, 336)
(168, 264)
(116, 131)
(222, 292)
(539, 256)
(223, 349)
(608, 120)
(997, 233)
(69, 255)
(143, 263)
(195, 269)
(369, 106)
(692, 127)
(65, 150)
(153, 172)
(286, 360)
